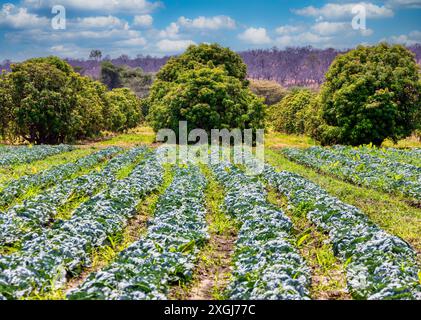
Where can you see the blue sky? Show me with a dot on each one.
(167, 27)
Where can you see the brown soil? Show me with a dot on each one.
(217, 275)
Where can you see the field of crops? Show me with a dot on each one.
(389, 170)
(64, 230)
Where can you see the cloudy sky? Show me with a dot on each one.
(28, 27)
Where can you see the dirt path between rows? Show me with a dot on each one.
(212, 279)
(214, 265)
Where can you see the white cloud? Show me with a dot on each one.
(67, 50)
(145, 20)
(170, 32)
(366, 32)
(405, 3)
(58, 48)
(107, 6)
(304, 38)
(19, 18)
(105, 22)
(134, 42)
(211, 23)
(255, 36)
(173, 46)
(51, 37)
(329, 28)
(413, 37)
(288, 29)
(340, 11)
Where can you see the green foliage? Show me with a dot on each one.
(123, 110)
(44, 101)
(124, 77)
(207, 87)
(41, 96)
(289, 115)
(136, 80)
(110, 75)
(87, 117)
(5, 106)
(206, 98)
(204, 54)
(272, 91)
(371, 94)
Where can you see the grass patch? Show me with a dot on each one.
(282, 140)
(35, 190)
(136, 136)
(410, 142)
(390, 212)
(14, 172)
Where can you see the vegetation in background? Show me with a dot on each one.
(43, 101)
(135, 79)
(212, 55)
(289, 115)
(272, 91)
(95, 54)
(206, 98)
(371, 94)
(205, 86)
(123, 110)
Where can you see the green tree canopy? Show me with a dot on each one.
(370, 94)
(205, 55)
(272, 91)
(125, 77)
(289, 114)
(124, 110)
(41, 95)
(44, 101)
(207, 98)
(110, 75)
(6, 106)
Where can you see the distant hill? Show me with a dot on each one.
(304, 66)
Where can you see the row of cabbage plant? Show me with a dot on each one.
(267, 264)
(49, 177)
(45, 262)
(407, 156)
(378, 265)
(22, 221)
(378, 157)
(168, 253)
(19, 155)
(388, 176)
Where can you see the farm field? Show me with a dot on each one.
(111, 220)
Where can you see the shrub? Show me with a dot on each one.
(123, 110)
(125, 77)
(44, 101)
(87, 118)
(207, 87)
(6, 106)
(289, 115)
(371, 94)
(41, 92)
(206, 98)
(212, 55)
(271, 91)
(110, 75)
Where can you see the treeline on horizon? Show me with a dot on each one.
(299, 66)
